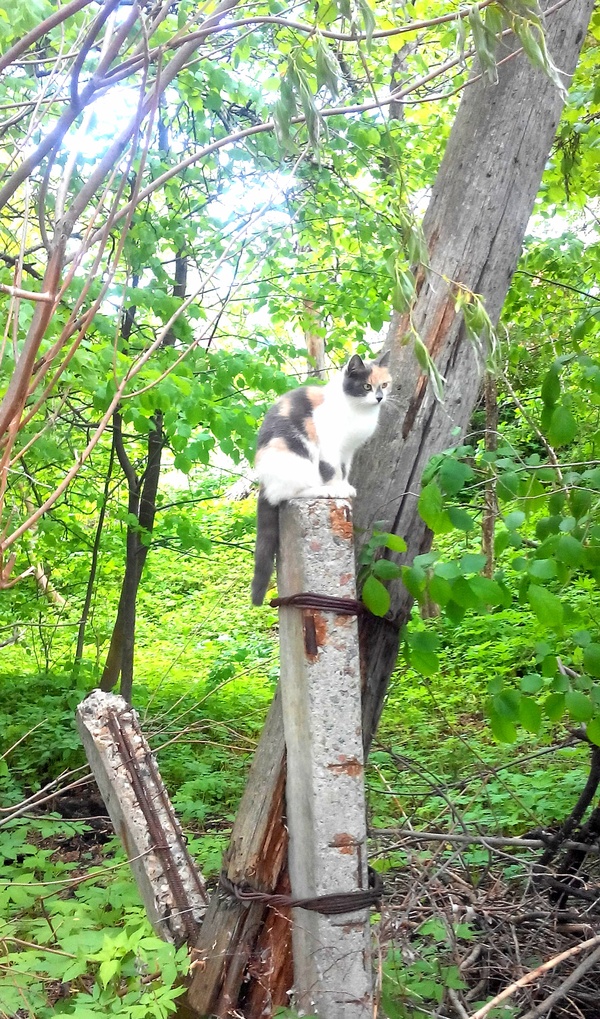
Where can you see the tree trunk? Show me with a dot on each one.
(481, 202)
(474, 226)
(315, 341)
(142, 504)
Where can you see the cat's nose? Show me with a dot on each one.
(379, 397)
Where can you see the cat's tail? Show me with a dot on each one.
(267, 540)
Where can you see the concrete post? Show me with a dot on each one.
(130, 784)
(320, 685)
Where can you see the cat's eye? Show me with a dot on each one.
(367, 386)
(384, 385)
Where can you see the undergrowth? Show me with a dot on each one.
(206, 665)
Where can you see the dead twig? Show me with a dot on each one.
(565, 987)
(534, 974)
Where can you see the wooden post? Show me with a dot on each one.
(321, 698)
(235, 934)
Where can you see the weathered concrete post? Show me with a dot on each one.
(320, 686)
(169, 882)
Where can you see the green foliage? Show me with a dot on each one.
(91, 936)
(547, 546)
(373, 572)
(411, 986)
(310, 228)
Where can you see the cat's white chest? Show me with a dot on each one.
(342, 428)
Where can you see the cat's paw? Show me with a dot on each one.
(334, 490)
(341, 490)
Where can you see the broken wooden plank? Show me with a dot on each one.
(235, 939)
(124, 767)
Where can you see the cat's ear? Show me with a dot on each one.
(355, 365)
(384, 360)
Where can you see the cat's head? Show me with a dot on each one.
(370, 382)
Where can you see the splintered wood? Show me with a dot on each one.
(171, 887)
(244, 950)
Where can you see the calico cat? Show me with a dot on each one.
(305, 448)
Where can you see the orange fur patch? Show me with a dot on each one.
(279, 444)
(379, 375)
(284, 406)
(309, 428)
(315, 395)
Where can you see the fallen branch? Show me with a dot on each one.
(491, 841)
(533, 974)
(565, 987)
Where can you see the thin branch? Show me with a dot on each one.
(27, 295)
(534, 974)
(565, 987)
(60, 16)
(476, 839)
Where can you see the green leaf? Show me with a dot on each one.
(542, 569)
(375, 596)
(386, 570)
(567, 524)
(592, 730)
(431, 506)
(501, 542)
(569, 550)
(440, 591)
(395, 543)
(506, 703)
(554, 706)
(507, 486)
(368, 20)
(472, 562)
(464, 594)
(414, 579)
(454, 611)
(460, 519)
(327, 66)
(423, 640)
(488, 591)
(581, 501)
(579, 706)
(591, 660)
(551, 387)
(514, 520)
(503, 729)
(449, 571)
(547, 526)
(547, 606)
(530, 715)
(425, 662)
(453, 475)
(531, 683)
(563, 426)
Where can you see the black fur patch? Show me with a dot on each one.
(301, 408)
(326, 471)
(276, 426)
(356, 376)
(291, 426)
